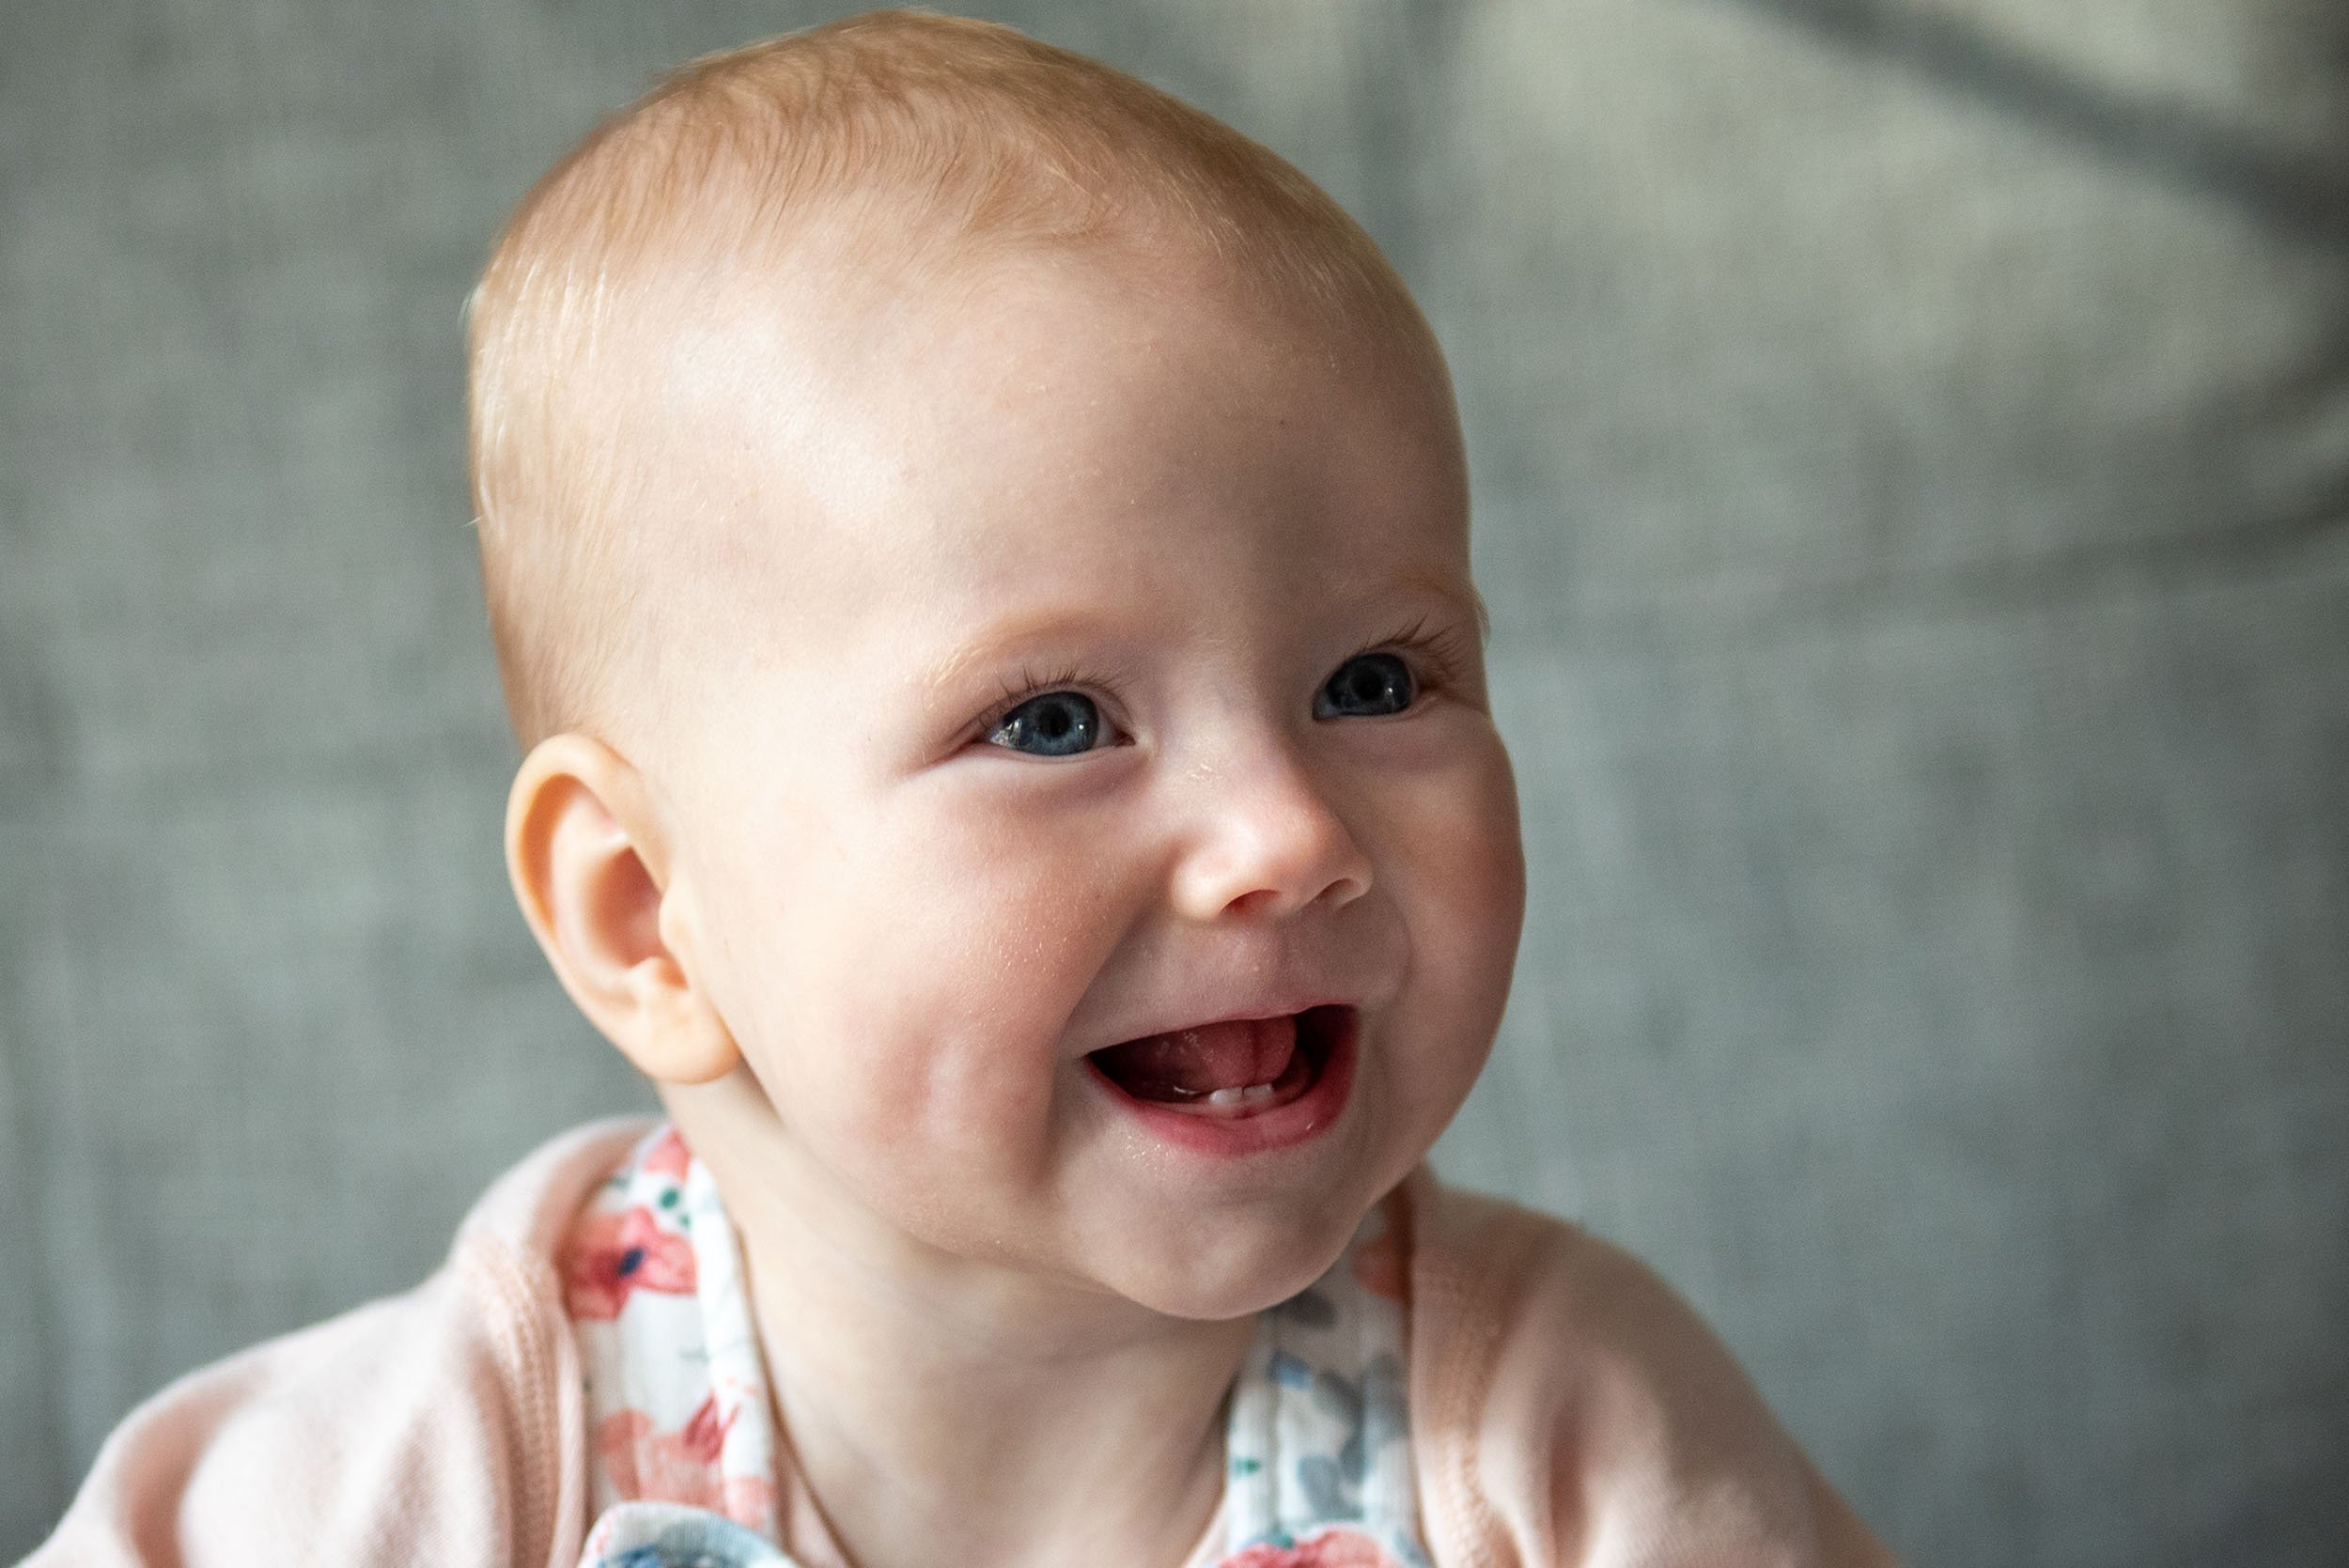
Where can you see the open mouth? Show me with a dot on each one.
(1238, 1068)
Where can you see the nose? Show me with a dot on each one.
(1267, 842)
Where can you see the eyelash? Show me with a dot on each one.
(1057, 677)
(1434, 655)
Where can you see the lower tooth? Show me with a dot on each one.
(1227, 1096)
(1257, 1092)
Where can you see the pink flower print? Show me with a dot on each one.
(668, 1155)
(750, 1502)
(649, 1466)
(1330, 1549)
(612, 1254)
(703, 1436)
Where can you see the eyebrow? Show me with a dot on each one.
(1006, 638)
(1460, 594)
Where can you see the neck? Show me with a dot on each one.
(944, 1409)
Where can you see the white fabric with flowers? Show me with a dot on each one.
(685, 1457)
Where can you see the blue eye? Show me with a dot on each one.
(1055, 724)
(1366, 686)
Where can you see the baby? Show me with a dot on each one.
(978, 555)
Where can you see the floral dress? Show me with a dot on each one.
(684, 1469)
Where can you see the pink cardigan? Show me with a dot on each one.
(1566, 1407)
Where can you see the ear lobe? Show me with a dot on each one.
(591, 868)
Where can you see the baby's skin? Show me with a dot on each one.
(1071, 872)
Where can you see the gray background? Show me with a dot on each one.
(1911, 447)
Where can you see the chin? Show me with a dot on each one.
(1237, 1270)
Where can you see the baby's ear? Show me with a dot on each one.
(590, 864)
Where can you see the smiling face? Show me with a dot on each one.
(1086, 812)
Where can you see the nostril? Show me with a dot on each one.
(1269, 842)
(1303, 893)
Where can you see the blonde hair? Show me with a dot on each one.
(934, 135)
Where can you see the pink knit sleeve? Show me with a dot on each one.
(1569, 1409)
(422, 1429)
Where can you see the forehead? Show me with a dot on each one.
(1055, 426)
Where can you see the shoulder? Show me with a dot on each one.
(1569, 1407)
(440, 1426)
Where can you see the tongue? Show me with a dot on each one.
(1188, 1062)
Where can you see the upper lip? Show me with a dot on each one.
(1282, 1006)
(1163, 984)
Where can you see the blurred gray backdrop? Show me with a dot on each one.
(1911, 444)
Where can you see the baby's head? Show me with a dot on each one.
(979, 553)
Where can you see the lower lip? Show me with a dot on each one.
(1304, 1118)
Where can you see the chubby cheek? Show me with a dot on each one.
(904, 993)
(1461, 882)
